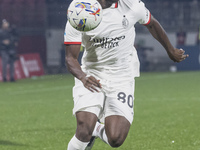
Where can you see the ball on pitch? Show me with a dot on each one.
(84, 15)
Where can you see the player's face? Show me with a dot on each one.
(113, 1)
(107, 3)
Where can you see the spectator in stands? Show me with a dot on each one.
(180, 37)
(8, 43)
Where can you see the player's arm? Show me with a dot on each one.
(154, 27)
(71, 57)
(72, 52)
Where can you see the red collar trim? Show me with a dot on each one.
(116, 5)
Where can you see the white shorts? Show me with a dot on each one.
(119, 100)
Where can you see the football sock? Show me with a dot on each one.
(100, 132)
(76, 144)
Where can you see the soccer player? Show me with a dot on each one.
(104, 84)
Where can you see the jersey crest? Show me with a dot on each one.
(125, 22)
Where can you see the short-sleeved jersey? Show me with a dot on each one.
(109, 48)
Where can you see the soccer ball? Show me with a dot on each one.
(84, 15)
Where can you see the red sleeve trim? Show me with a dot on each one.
(149, 20)
(76, 43)
(116, 5)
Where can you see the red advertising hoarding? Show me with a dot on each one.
(26, 66)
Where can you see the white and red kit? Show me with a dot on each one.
(109, 54)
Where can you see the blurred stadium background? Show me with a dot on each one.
(41, 24)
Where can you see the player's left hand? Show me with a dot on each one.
(178, 55)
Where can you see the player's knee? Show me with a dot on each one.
(115, 141)
(84, 133)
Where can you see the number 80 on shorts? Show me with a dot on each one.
(122, 97)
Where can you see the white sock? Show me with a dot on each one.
(100, 132)
(76, 144)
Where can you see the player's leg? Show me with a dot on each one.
(87, 108)
(116, 129)
(118, 116)
(85, 125)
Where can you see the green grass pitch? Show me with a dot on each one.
(36, 114)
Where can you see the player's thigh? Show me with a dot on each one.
(119, 113)
(88, 107)
(121, 102)
(117, 128)
(85, 125)
(85, 100)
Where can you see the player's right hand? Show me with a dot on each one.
(91, 83)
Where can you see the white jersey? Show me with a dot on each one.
(109, 48)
